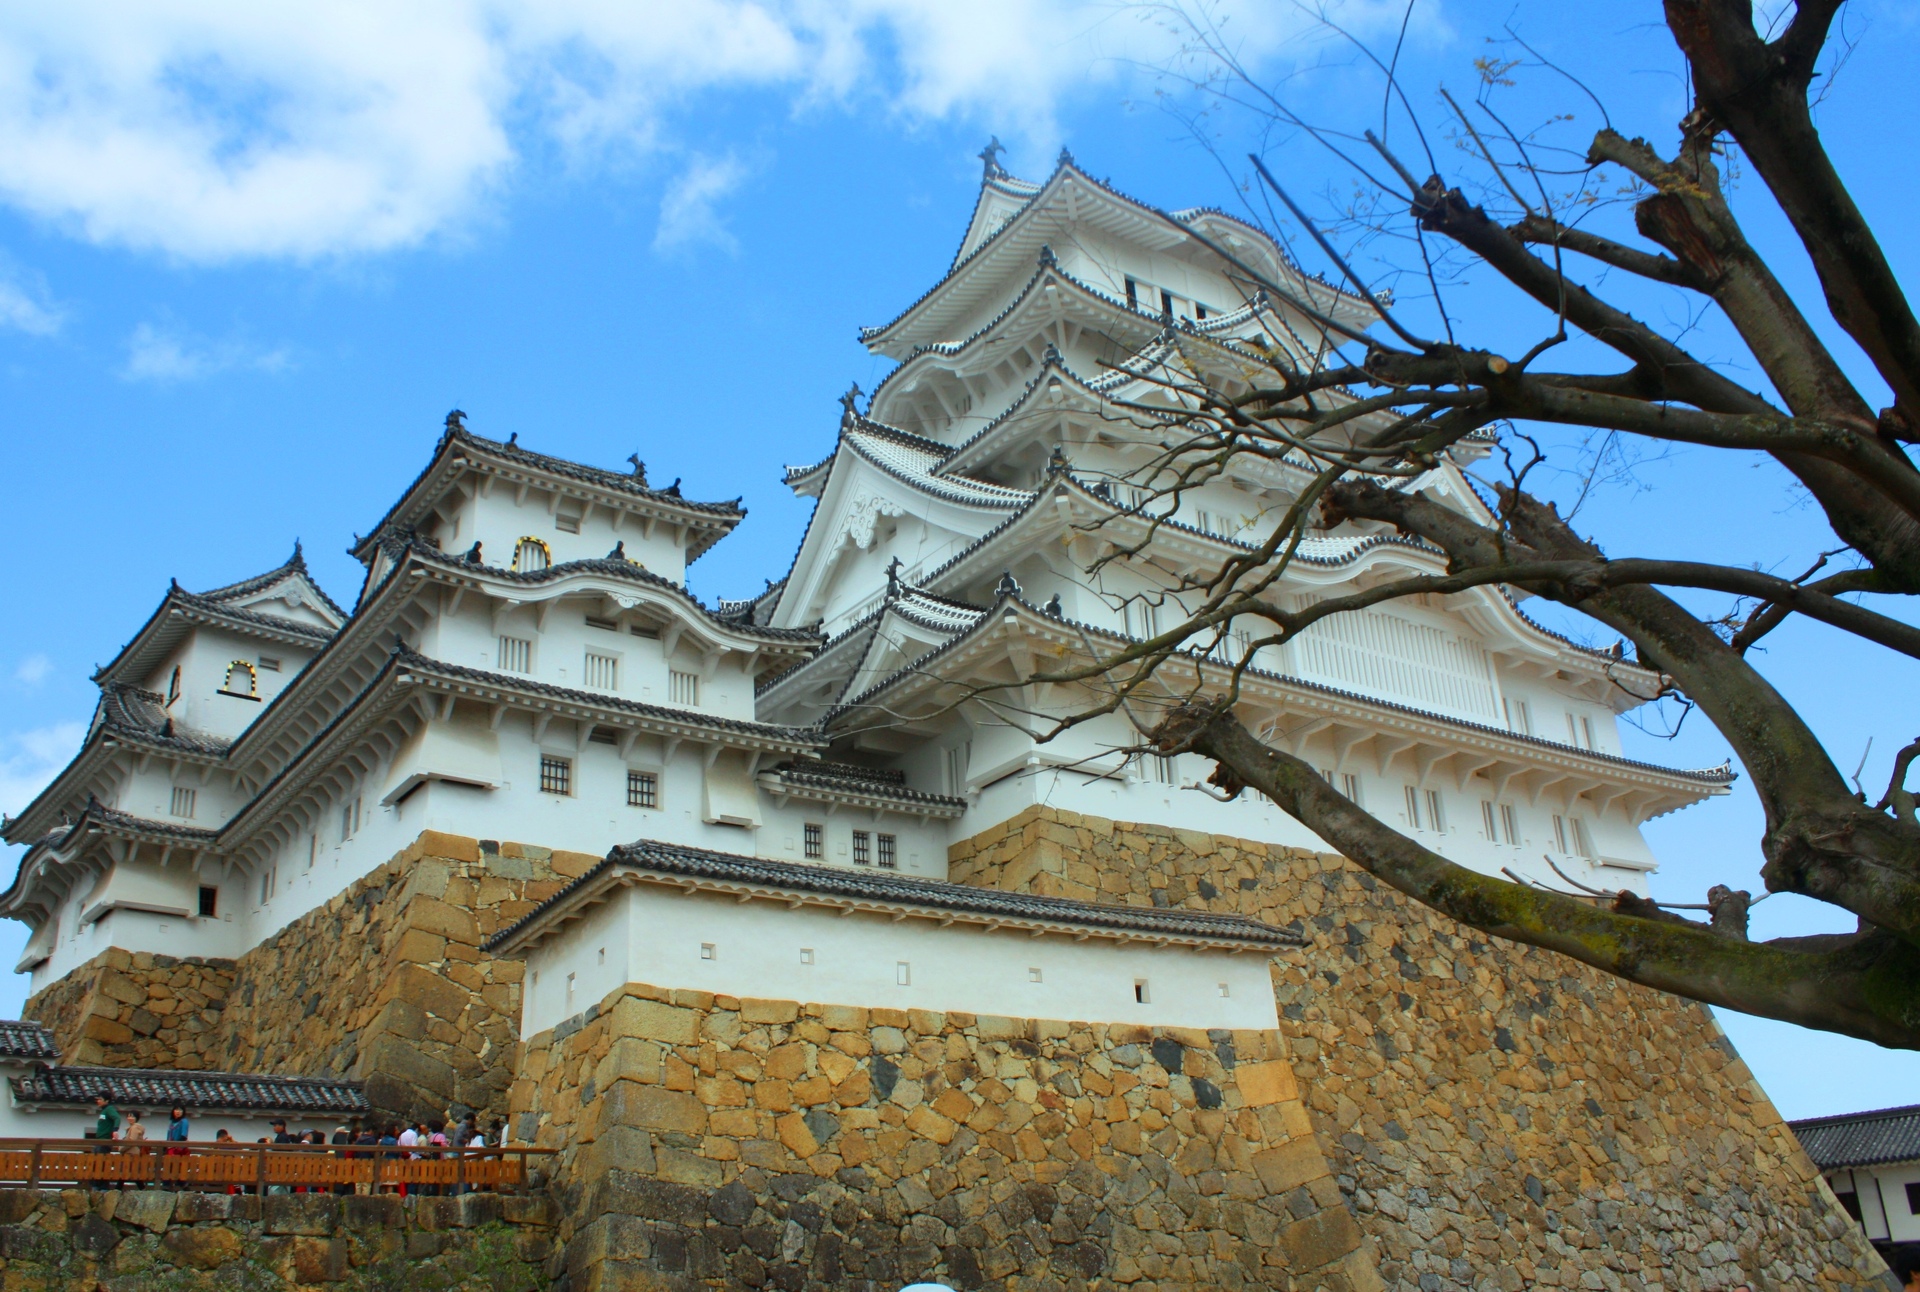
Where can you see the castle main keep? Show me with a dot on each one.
(822, 963)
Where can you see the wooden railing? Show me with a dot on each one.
(203, 1167)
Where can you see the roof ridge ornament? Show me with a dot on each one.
(1047, 260)
(849, 404)
(1008, 585)
(990, 160)
(456, 420)
(1050, 357)
(1053, 609)
(893, 578)
(1057, 464)
(639, 470)
(1065, 159)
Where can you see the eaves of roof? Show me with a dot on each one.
(1713, 776)
(698, 869)
(246, 622)
(966, 493)
(857, 792)
(25, 1039)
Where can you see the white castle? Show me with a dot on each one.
(523, 660)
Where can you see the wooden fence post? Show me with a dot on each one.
(33, 1168)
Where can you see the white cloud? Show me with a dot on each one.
(25, 308)
(687, 215)
(33, 670)
(167, 354)
(221, 129)
(30, 759)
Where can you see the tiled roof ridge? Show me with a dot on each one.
(200, 601)
(295, 564)
(991, 495)
(1841, 1119)
(76, 1085)
(624, 569)
(909, 890)
(896, 789)
(1723, 775)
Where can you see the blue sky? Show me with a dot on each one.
(249, 260)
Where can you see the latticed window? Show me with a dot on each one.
(813, 838)
(531, 555)
(241, 679)
(643, 789)
(516, 655)
(183, 800)
(683, 688)
(862, 848)
(556, 774)
(889, 856)
(602, 672)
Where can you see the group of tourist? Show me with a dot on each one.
(415, 1140)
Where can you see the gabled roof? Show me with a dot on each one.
(901, 896)
(1071, 197)
(1861, 1139)
(230, 607)
(204, 1093)
(460, 450)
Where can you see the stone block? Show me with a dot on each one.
(150, 1209)
(652, 1108)
(653, 1021)
(625, 1193)
(1289, 1166)
(757, 1011)
(454, 847)
(107, 1031)
(201, 1247)
(681, 1167)
(526, 1209)
(303, 1214)
(17, 1205)
(20, 1243)
(367, 1212)
(431, 915)
(431, 992)
(1266, 1083)
(1321, 1239)
(319, 1260)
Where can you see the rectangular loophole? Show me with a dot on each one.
(1033, 973)
(903, 974)
(706, 951)
(806, 955)
(1141, 996)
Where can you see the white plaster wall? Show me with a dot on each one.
(498, 523)
(757, 951)
(1889, 1184)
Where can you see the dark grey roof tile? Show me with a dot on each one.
(194, 1091)
(1861, 1139)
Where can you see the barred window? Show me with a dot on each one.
(531, 555)
(1510, 824)
(1350, 786)
(602, 672)
(556, 774)
(889, 853)
(516, 655)
(862, 848)
(643, 790)
(683, 688)
(813, 840)
(183, 800)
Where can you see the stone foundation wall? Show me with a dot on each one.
(127, 1009)
(1496, 1116)
(715, 1142)
(385, 984)
(154, 1241)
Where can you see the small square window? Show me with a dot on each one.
(268, 664)
(1225, 991)
(707, 951)
(814, 836)
(601, 672)
(806, 955)
(209, 901)
(567, 524)
(889, 852)
(862, 848)
(643, 789)
(1140, 994)
(556, 774)
(1033, 973)
(683, 688)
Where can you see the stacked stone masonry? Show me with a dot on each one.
(716, 1142)
(155, 1241)
(385, 983)
(1497, 1116)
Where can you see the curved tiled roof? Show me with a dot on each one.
(914, 460)
(25, 1039)
(848, 778)
(139, 714)
(1861, 1139)
(936, 897)
(295, 564)
(195, 1091)
(619, 569)
(1722, 775)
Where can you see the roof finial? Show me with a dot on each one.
(513, 440)
(1051, 356)
(1057, 463)
(1046, 254)
(473, 555)
(990, 157)
(849, 404)
(639, 469)
(1054, 609)
(619, 552)
(1008, 586)
(456, 420)
(1065, 158)
(674, 488)
(893, 577)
